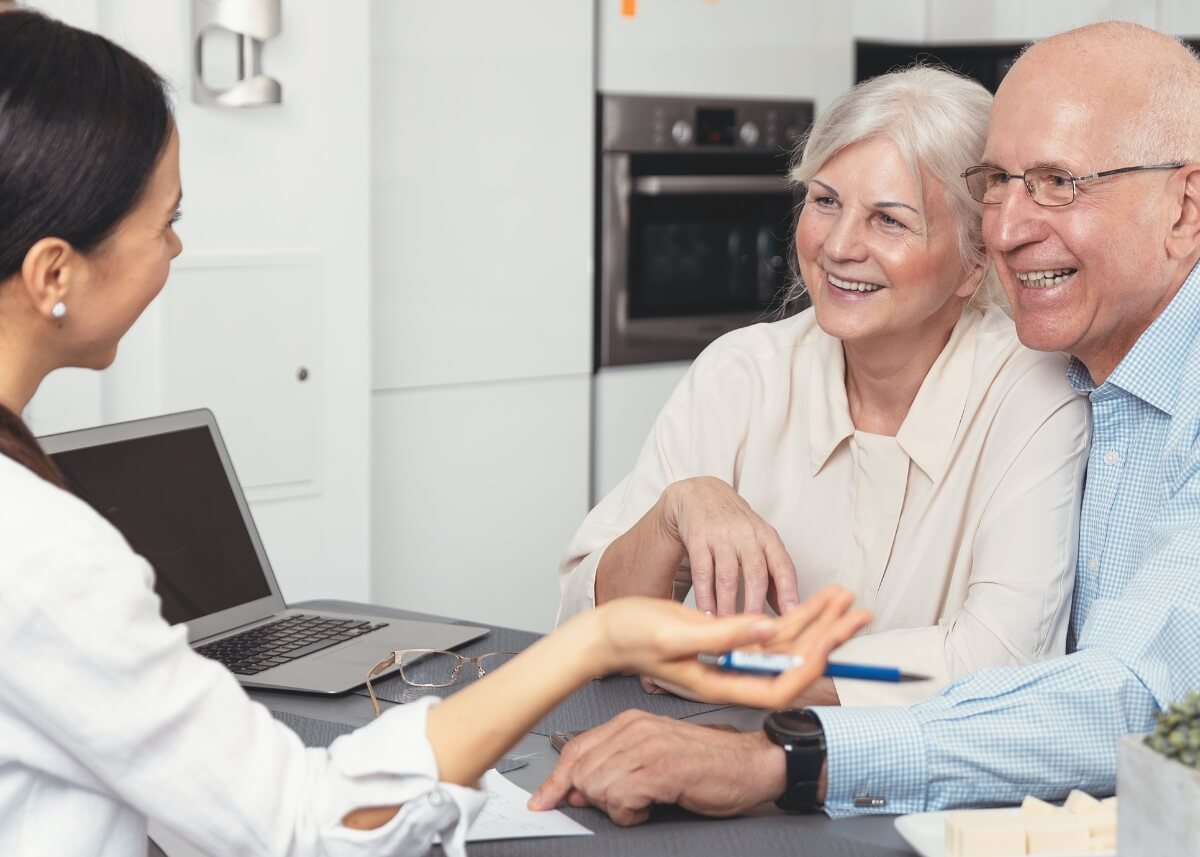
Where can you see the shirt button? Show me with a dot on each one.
(1093, 564)
(436, 798)
(1112, 457)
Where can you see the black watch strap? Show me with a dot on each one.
(800, 735)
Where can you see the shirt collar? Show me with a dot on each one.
(927, 433)
(1152, 369)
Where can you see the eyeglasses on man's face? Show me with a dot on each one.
(1048, 186)
(433, 667)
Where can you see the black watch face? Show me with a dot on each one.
(795, 722)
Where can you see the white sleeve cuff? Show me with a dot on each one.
(390, 762)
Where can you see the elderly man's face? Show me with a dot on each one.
(1086, 278)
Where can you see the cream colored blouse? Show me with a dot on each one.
(959, 533)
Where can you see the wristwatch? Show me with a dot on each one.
(800, 735)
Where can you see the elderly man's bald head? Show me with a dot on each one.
(1145, 83)
(1117, 108)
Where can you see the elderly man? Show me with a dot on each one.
(1092, 218)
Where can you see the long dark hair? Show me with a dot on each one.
(83, 123)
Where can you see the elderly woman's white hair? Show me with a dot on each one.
(938, 120)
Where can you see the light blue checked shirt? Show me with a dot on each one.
(1134, 642)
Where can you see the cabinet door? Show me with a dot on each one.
(1020, 21)
(477, 489)
(482, 145)
(760, 49)
(627, 402)
(1179, 18)
(890, 21)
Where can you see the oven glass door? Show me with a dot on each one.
(699, 252)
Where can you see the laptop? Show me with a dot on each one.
(168, 485)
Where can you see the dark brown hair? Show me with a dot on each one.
(19, 444)
(83, 123)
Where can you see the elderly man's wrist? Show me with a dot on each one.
(771, 769)
(800, 736)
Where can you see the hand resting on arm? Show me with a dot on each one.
(726, 544)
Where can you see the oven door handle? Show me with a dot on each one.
(693, 185)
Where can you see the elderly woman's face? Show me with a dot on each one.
(875, 272)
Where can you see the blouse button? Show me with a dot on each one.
(436, 798)
(1093, 564)
(1112, 457)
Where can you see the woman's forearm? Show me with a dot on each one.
(474, 727)
(643, 561)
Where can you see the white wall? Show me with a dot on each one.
(274, 277)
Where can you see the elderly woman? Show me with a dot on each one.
(896, 435)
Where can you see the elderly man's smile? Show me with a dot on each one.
(1044, 279)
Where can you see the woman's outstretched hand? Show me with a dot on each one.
(661, 639)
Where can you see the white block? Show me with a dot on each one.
(984, 833)
(1082, 803)
(1061, 835)
(1036, 806)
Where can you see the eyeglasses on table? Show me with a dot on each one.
(433, 667)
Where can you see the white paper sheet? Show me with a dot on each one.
(505, 815)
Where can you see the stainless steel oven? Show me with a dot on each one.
(695, 220)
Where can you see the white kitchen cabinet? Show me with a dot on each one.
(1179, 17)
(482, 145)
(1019, 21)
(231, 364)
(627, 401)
(763, 49)
(477, 489)
(906, 21)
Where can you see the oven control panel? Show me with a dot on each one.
(638, 123)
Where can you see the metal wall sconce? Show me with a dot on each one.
(253, 22)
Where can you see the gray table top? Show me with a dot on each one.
(670, 831)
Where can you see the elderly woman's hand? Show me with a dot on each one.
(727, 543)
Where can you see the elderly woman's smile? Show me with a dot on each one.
(849, 285)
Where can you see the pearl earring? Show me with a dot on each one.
(58, 310)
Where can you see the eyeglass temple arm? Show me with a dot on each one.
(1120, 170)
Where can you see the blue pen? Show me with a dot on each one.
(762, 663)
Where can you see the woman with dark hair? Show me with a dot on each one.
(107, 716)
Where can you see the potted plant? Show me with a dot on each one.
(1158, 783)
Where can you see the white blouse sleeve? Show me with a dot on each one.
(116, 702)
(698, 432)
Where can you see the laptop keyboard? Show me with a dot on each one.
(276, 643)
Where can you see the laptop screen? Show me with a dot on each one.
(169, 496)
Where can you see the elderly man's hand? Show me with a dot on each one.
(638, 760)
